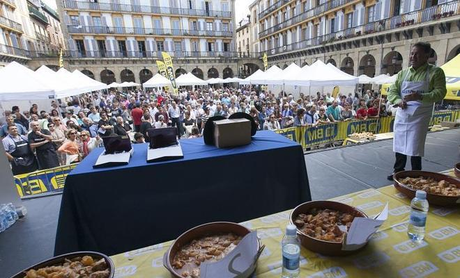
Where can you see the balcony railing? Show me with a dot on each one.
(42, 37)
(78, 29)
(10, 2)
(417, 17)
(10, 23)
(304, 15)
(273, 7)
(157, 54)
(34, 12)
(112, 7)
(10, 50)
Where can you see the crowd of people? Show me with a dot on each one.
(40, 139)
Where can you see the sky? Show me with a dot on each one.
(242, 7)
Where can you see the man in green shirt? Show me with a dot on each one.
(415, 91)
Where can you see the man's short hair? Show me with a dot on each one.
(138, 135)
(15, 108)
(425, 46)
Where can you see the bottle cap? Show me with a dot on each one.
(291, 230)
(420, 194)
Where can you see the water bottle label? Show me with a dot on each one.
(291, 256)
(417, 218)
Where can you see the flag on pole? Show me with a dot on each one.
(335, 92)
(61, 59)
(170, 71)
(162, 68)
(265, 59)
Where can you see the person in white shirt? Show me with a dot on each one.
(272, 124)
(94, 115)
(174, 115)
(161, 122)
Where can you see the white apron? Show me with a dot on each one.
(411, 124)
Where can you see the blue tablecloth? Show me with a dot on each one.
(115, 209)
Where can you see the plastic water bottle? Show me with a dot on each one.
(291, 253)
(417, 220)
(8, 216)
(3, 222)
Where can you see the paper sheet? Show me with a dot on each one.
(238, 263)
(362, 229)
(166, 153)
(110, 160)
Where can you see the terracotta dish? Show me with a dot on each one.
(197, 232)
(328, 248)
(60, 260)
(433, 199)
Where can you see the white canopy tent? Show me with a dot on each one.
(157, 80)
(189, 79)
(271, 76)
(248, 80)
(134, 84)
(73, 81)
(60, 85)
(384, 79)
(319, 74)
(126, 84)
(20, 83)
(114, 85)
(288, 73)
(95, 85)
(364, 79)
(215, 81)
(232, 80)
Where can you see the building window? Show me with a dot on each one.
(349, 20)
(80, 48)
(190, 4)
(141, 46)
(210, 46)
(209, 26)
(194, 26)
(74, 19)
(225, 27)
(370, 14)
(333, 25)
(122, 48)
(226, 47)
(160, 46)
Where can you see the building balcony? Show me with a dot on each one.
(273, 8)
(8, 23)
(303, 16)
(78, 29)
(432, 14)
(42, 37)
(36, 14)
(112, 7)
(9, 3)
(157, 54)
(13, 51)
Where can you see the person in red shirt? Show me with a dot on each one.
(137, 114)
(374, 110)
(361, 113)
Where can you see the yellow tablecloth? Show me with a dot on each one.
(389, 254)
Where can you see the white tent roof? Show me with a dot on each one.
(288, 73)
(189, 80)
(384, 79)
(94, 84)
(126, 84)
(319, 74)
(232, 80)
(20, 83)
(271, 76)
(134, 84)
(60, 85)
(364, 79)
(215, 81)
(248, 80)
(80, 85)
(157, 80)
(114, 85)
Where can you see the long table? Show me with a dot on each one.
(116, 209)
(389, 254)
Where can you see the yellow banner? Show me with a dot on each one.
(170, 71)
(61, 60)
(328, 133)
(162, 68)
(265, 59)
